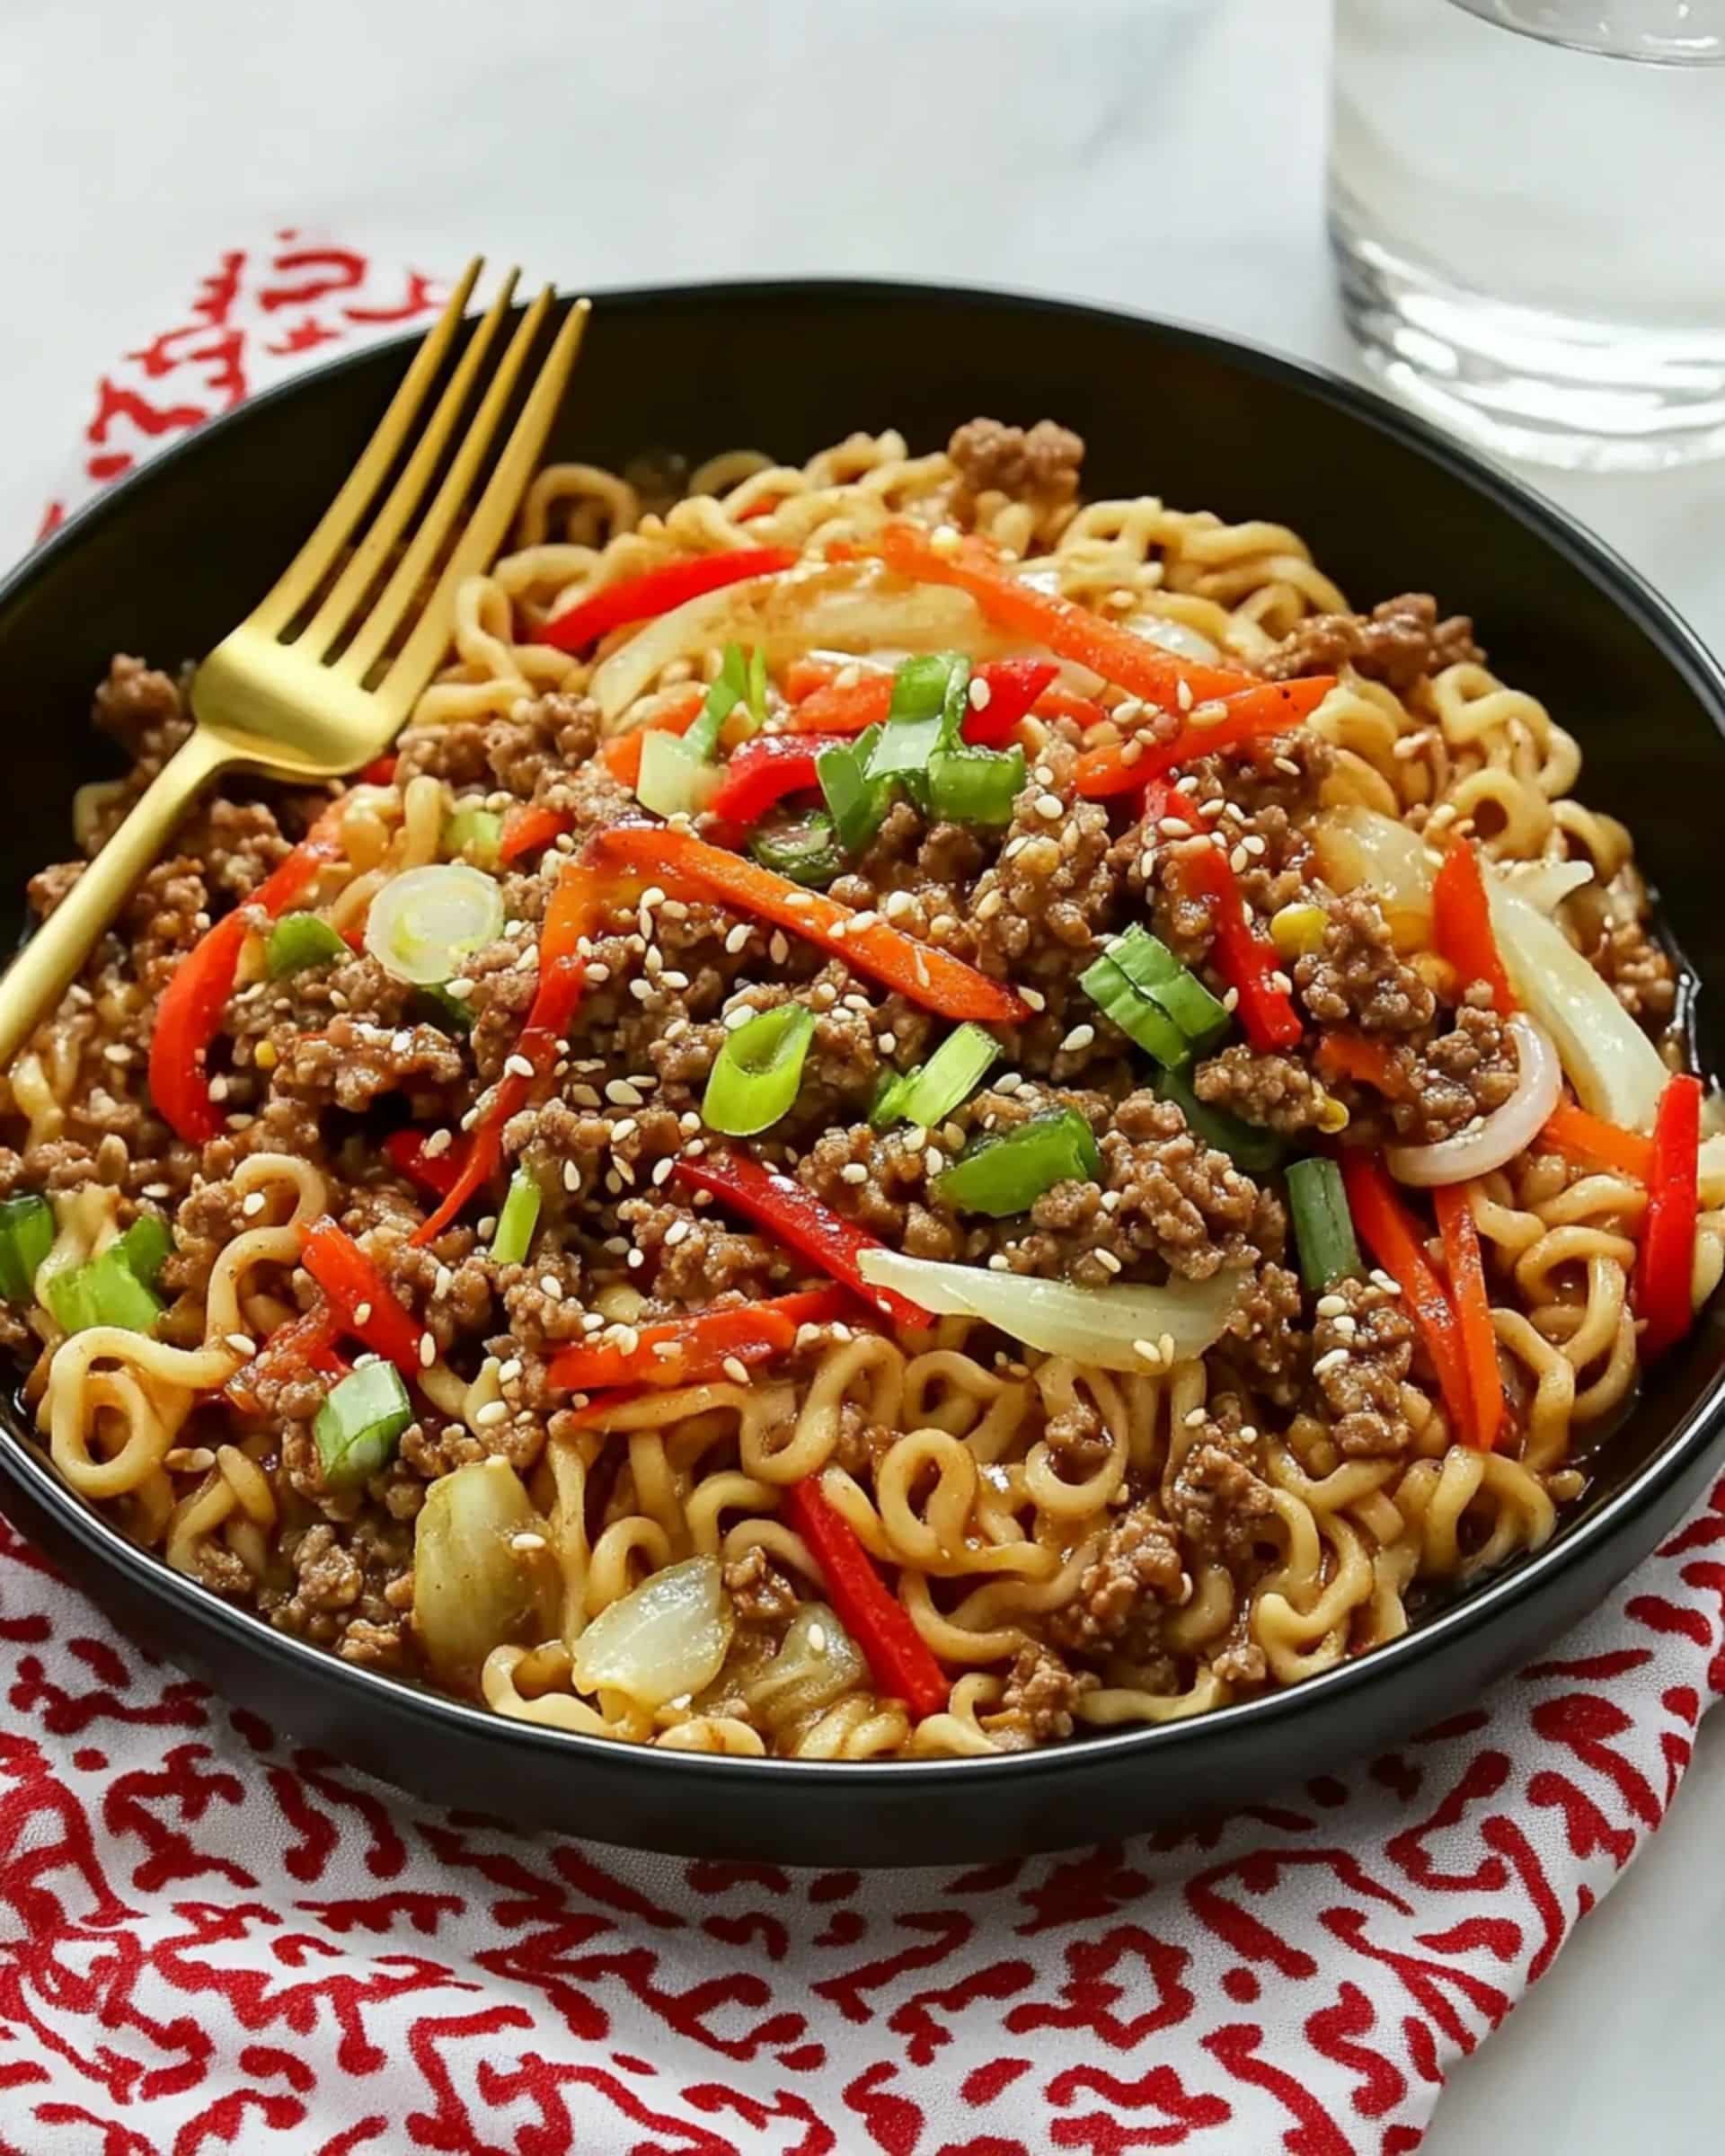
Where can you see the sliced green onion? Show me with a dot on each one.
(1249, 1146)
(1132, 1011)
(146, 1246)
(733, 687)
(676, 779)
(105, 1291)
(928, 1094)
(360, 1423)
(26, 1237)
(298, 940)
(1155, 971)
(1323, 1227)
(517, 1221)
(807, 852)
(424, 921)
(975, 785)
(755, 696)
(926, 712)
(450, 1012)
(856, 804)
(755, 1076)
(475, 831)
(1009, 1172)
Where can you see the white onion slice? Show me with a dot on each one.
(1173, 636)
(1101, 1326)
(1358, 846)
(1505, 1132)
(1545, 884)
(667, 1636)
(1613, 1065)
(423, 922)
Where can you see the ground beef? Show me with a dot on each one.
(1040, 1692)
(1055, 889)
(1399, 643)
(140, 709)
(760, 1592)
(1139, 1561)
(1356, 979)
(1274, 1091)
(1266, 1339)
(692, 1256)
(1217, 1500)
(1040, 464)
(1179, 1198)
(354, 1062)
(890, 1195)
(1078, 1437)
(1372, 1334)
(207, 1222)
(1639, 971)
(1470, 1071)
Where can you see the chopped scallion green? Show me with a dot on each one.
(1249, 1146)
(733, 687)
(975, 785)
(806, 851)
(1153, 969)
(929, 1093)
(146, 1246)
(856, 804)
(517, 1221)
(300, 941)
(925, 715)
(1132, 1011)
(26, 1237)
(1008, 1173)
(676, 779)
(104, 1291)
(755, 1076)
(450, 1012)
(1323, 1228)
(476, 833)
(360, 1423)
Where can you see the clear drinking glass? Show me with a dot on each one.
(1528, 207)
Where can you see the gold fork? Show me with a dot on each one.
(303, 706)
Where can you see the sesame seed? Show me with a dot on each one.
(1183, 696)
(853, 1171)
(643, 990)
(1009, 1082)
(738, 937)
(1035, 998)
(1171, 827)
(817, 1639)
(626, 1338)
(597, 973)
(1239, 861)
(625, 1127)
(1108, 1261)
(156, 1190)
(735, 1369)
(527, 1540)
(1196, 1418)
(493, 1413)
(944, 539)
(1254, 845)
(1286, 766)
(778, 948)
(252, 1204)
(217, 1085)
(117, 1052)
(1079, 1038)
(487, 1227)
(1149, 1351)
(1231, 1000)
(189, 1459)
(1051, 806)
(1336, 1358)
(428, 1351)
(1331, 1306)
(933, 1160)
(438, 1145)
(362, 1313)
(978, 692)
(1347, 1325)
(634, 1261)
(999, 1263)
(676, 1233)
(242, 1343)
(551, 1286)
(517, 1066)
(623, 1092)
(442, 1281)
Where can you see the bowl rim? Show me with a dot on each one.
(1693, 1432)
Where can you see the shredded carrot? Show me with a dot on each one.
(1452, 1203)
(1594, 1143)
(1369, 1062)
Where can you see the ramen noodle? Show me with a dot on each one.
(918, 1115)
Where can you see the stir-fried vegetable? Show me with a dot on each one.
(975, 785)
(116, 1288)
(423, 922)
(674, 779)
(765, 772)
(658, 591)
(1248, 961)
(855, 803)
(686, 1351)
(665, 1639)
(1249, 1146)
(300, 941)
(930, 1092)
(1358, 847)
(1323, 1229)
(1665, 1275)
(758, 1070)
(431, 1159)
(1594, 1143)
(899, 1658)
(1007, 1171)
(1394, 1242)
(926, 710)
(483, 1572)
(817, 1663)
(359, 1424)
(1116, 1327)
(1001, 696)
(474, 832)
(1461, 924)
(806, 851)
(305, 1343)
(802, 1222)
(517, 1220)
(1152, 997)
(1611, 1063)
(1253, 714)
(189, 1015)
(26, 1237)
(1454, 1206)
(927, 975)
(1502, 1136)
(361, 1297)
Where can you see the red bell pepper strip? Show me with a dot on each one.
(304, 1343)
(801, 1221)
(1664, 1298)
(931, 977)
(683, 1351)
(1130, 661)
(1014, 685)
(1366, 1061)
(1250, 963)
(763, 772)
(1083, 712)
(1452, 1206)
(834, 706)
(379, 772)
(361, 1297)
(1394, 1240)
(804, 676)
(1594, 1143)
(899, 1658)
(528, 830)
(563, 974)
(1460, 926)
(657, 591)
(189, 1015)
(1254, 714)
(438, 1173)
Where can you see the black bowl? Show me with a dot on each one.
(167, 561)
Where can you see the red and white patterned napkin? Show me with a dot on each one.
(210, 1940)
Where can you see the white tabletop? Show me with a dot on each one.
(1162, 153)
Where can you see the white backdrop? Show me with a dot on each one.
(1164, 154)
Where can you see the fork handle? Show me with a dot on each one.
(52, 960)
